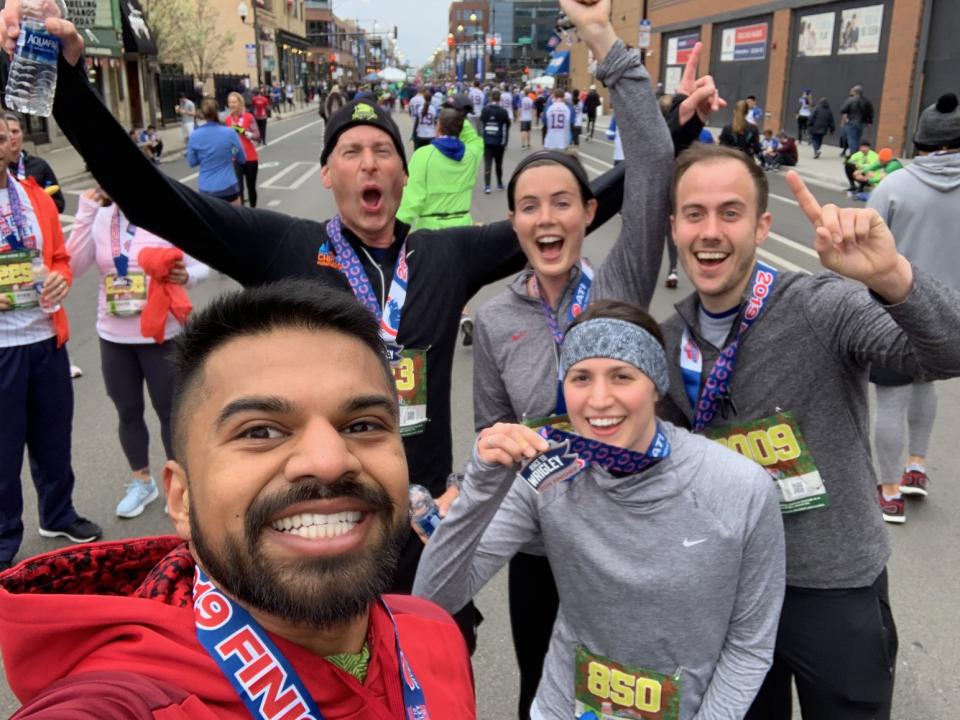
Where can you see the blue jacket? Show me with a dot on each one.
(213, 147)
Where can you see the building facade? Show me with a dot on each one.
(903, 52)
(524, 27)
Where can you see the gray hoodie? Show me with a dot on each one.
(679, 566)
(808, 353)
(515, 356)
(921, 204)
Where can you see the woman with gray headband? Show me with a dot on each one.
(667, 547)
(517, 334)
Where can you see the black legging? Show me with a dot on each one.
(533, 609)
(262, 127)
(493, 154)
(125, 368)
(249, 171)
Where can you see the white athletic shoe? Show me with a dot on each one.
(139, 494)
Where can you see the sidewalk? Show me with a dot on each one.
(69, 167)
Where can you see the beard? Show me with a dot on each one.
(319, 593)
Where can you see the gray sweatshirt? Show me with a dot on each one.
(808, 352)
(921, 204)
(679, 566)
(515, 356)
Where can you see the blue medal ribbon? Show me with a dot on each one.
(581, 299)
(121, 255)
(15, 234)
(611, 458)
(260, 674)
(21, 167)
(352, 268)
(706, 401)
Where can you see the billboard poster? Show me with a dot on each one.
(815, 37)
(672, 79)
(860, 30)
(680, 47)
(748, 42)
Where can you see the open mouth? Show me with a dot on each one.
(605, 425)
(550, 247)
(315, 525)
(711, 258)
(371, 198)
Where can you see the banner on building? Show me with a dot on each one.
(860, 30)
(680, 47)
(748, 42)
(815, 37)
(672, 79)
(251, 50)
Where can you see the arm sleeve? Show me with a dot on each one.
(196, 270)
(471, 140)
(415, 191)
(748, 649)
(240, 242)
(192, 158)
(491, 520)
(630, 270)
(80, 244)
(916, 337)
(491, 404)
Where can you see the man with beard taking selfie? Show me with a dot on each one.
(289, 499)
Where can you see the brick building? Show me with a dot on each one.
(903, 53)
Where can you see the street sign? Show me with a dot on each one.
(645, 33)
(525, 41)
(427, 72)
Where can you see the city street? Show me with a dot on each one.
(924, 570)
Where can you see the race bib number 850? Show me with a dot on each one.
(609, 689)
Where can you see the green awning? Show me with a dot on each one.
(102, 42)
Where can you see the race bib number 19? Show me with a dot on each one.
(606, 689)
(410, 375)
(776, 444)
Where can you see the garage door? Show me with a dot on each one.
(677, 47)
(740, 61)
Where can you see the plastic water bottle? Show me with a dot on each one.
(40, 274)
(423, 509)
(33, 72)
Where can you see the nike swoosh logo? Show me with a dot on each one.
(518, 336)
(690, 543)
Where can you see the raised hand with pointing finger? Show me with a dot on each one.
(703, 97)
(856, 243)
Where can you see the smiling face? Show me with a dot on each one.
(235, 103)
(550, 219)
(611, 401)
(293, 490)
(717, 230)
(365, 172)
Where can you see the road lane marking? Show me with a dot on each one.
(274, 203)
(290, 168)
(272, 182)
(777, 260)
(306, 176)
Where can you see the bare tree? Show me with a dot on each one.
(187, 32)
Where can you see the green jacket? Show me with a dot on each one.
(875, 177)
(861, 161)
(439, 189)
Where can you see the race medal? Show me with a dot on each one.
(410, 375)
(560, 422)
(552, 467)
(777, 444)
(605, 689)
(16, 279)
(126, 295)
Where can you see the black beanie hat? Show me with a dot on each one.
(360, 112)
(558, 158)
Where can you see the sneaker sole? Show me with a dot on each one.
(898, 519)
(68, 536)
(141, 507)
(915, 491)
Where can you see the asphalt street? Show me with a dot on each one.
(924, 569)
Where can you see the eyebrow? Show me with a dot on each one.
(370, 402)
(728, 203)
(558, 192)
(256, 403)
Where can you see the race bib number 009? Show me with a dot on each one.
(410, 376)
(776, 444)
(606, 689)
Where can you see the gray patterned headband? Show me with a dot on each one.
(617, 340)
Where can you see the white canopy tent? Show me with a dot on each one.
(392, 74)
(544, 81)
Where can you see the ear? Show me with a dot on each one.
(325, 175)
(591, 207)
(763, 228)
(510, 216)
(178, 497)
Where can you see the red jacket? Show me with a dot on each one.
(55, 254)
(106, 631)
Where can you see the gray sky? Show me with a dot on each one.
(422, 24)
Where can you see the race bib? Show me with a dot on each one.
(604, 690)
(16, 278)
(126, 294)
(410, 375)
(776, 444)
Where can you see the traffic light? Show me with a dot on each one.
(450, 41)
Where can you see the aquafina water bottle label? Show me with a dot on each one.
(36, 44)
(429, 522)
